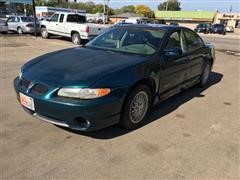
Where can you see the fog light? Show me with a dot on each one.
(83, 124)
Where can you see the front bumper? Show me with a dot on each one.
(218, 31)
(71, 113)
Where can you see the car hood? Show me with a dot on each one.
(77, 66)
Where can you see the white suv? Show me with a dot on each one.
(71, 25)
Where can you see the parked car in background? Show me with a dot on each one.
(229, 29)
(22, 24)
(115, 78)
(3, 26)
(122, 24)
(173, 24)
(203, 28)
(71, 25)
(218, 28)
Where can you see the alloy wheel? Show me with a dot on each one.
(139, 107)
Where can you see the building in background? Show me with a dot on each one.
(228, 19)
(45, 11)
(120, 17)
(186, 18)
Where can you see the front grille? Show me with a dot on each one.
(39, 89)
(25, 83)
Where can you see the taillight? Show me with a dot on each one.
(29, 25)
(87, 29)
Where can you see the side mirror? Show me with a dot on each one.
(173, 52)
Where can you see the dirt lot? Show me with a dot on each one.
(194, 135)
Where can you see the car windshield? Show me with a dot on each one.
(129, 40)
(27, 19)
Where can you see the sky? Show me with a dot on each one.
(191, 5)
(207, 5)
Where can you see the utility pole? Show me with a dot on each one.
(167, 5)
(35, 18)
(104, 11)
(230, 10)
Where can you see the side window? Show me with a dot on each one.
(193, 41)
(54, 18)
(74, 18)
(17, 19)
(174, 41)
(61, 18)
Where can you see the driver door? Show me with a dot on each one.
(174, 62)
(53, 24)
(11, 23)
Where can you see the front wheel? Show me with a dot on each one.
(136, 107)
(76, 39)
(205, 75)
(44, 33)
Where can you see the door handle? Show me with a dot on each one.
(180, 61)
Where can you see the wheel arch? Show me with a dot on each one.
(43, 26)
(149, 82)
(74, 31)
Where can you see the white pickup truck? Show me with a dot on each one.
(71, 25)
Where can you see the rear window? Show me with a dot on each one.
(27, 19)
(75, 18)
(218, 25)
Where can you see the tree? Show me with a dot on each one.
(128, 9)
(40, 2)
(170, 5)
(144, 10)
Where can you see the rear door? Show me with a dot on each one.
(174, 69)
(74, 22)
(195, 51)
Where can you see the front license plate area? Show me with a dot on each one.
(27, 101)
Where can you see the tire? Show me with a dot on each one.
(44, 33)
(130, 119)
(205, 74)
(76, 39)
(19, 30)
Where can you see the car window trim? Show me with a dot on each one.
(190, 51)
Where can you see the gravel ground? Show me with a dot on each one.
(193, 135)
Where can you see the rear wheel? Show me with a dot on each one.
(19, 30)
(205, 75)
(44, 33)
(136, 107)
(76, 39)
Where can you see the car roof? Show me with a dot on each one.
(154, 26)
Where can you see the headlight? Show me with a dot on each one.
(83, 93)
(20, 74)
